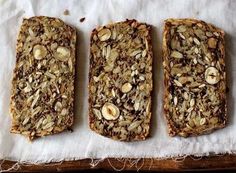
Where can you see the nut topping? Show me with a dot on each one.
(104, 34)
(212, 43)
(176, 54)
(136, 106)
(192, 102)
(196, 41)
(39, 52)
(178, 83)
(62, 53)
(202, 121)
(175, 101)
(97, 113)
(212, 75)
(110, 111)
(126, 87)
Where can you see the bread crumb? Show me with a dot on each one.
(66, 12)
(82, 19)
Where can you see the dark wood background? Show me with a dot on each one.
(226, 162)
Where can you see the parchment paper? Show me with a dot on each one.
(83, 143)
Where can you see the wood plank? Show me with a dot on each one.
(189, 163)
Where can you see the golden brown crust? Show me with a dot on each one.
(208, 119)
(132, 116)
(43, 81)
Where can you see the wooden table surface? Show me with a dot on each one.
(189, 163)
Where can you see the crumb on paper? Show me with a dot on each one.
(70, 129)
(82, 19)
(196, 13)
(66, 12)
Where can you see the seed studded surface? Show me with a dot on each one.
(43, 79)
(194, 77)
(120, 80)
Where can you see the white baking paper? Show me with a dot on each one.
(83, 143)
